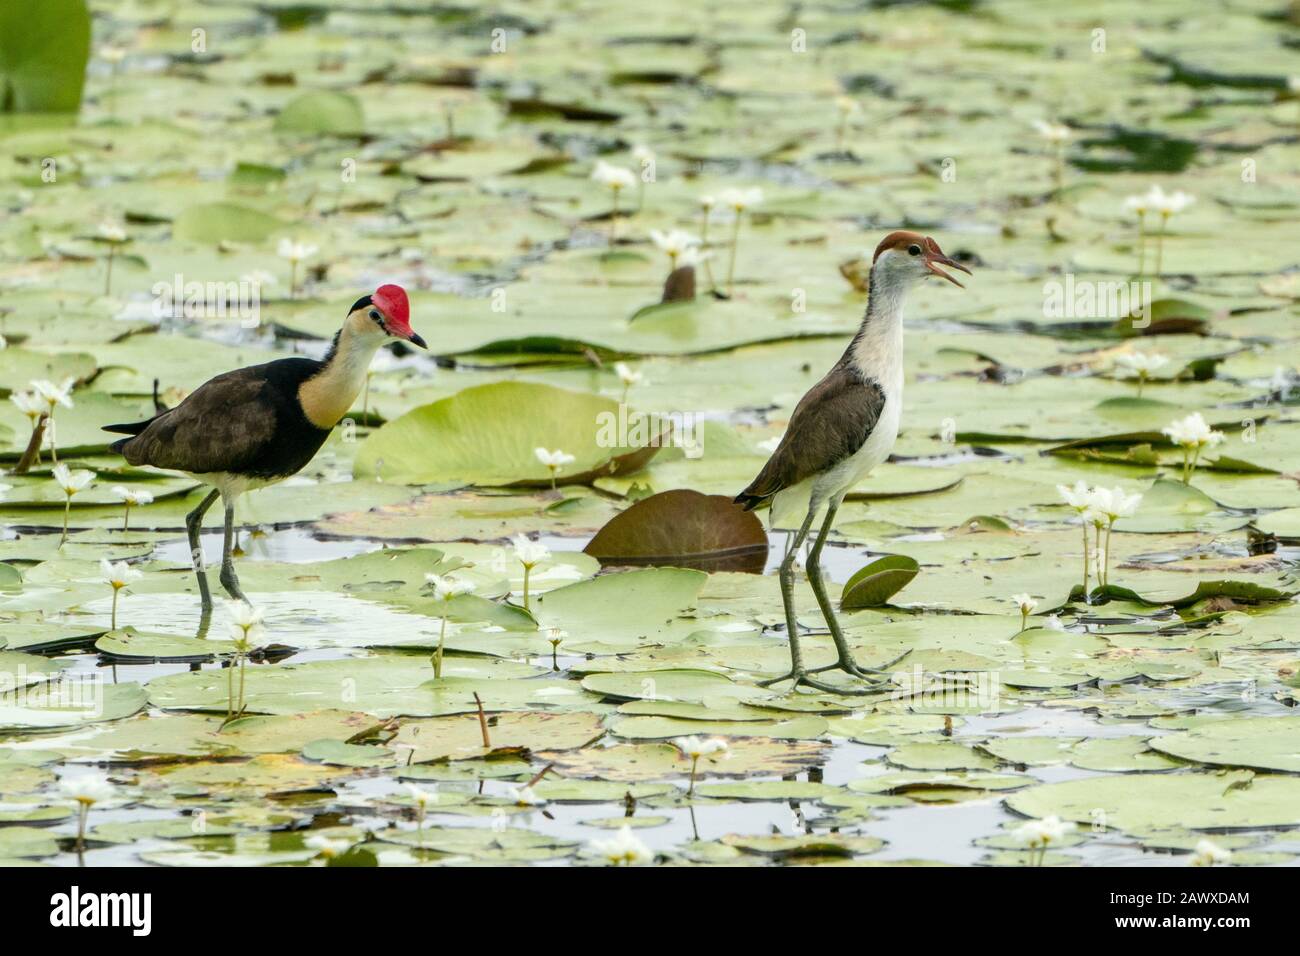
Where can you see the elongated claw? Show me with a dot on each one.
(802, 678)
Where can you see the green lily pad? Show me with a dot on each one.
(874, 584)
(489, 434)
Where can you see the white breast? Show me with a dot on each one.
(878, 354)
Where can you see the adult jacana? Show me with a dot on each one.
(845, 426)
(258, 425)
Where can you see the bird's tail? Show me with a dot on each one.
(128, 428)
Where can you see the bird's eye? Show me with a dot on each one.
(913, 250)
(374, 315)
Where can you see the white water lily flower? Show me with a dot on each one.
(741, 199)
(1026, 604)
(1040, 833)
(1293, 83)
(30, 404)
(54, 395)
(529, 553)
(112, 54)
(87, 788)
(295, 251)
(707, 202)
(1168, 204)
(1054, 623)
(623, 849)
(627, 375)
(693, 256)
(1054, 133)
(112, 232)
(1192, 432)
(72, 481)
(1209, 853)
(553, 459)
(696, 747)
(1141, 363)
(420, 797)
(1114, 503)
(674, 243)
(1079, 497)
(525, 797)
(1140, 204)
(613, 177)
(118, 573)
(131, 496)
(847, 105)
(445, 587)
(327, 847)
(643, 154)
(246, 625)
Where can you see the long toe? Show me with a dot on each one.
(836, 689)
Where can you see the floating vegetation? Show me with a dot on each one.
(509, 613)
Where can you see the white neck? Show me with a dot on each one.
(877, 349)
(329, 394)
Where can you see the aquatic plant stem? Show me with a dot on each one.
(1160, 242)
(704, 245)
(437, 654)
(67, 508)
(54, 446)
(83, 812)
(1142, 243)
(731, 259)
(482, 723)
(695, 762)
(527, 570)
(113, 623)
(126, 516)
(1105, 567)
(1085, 559)
(108, 274)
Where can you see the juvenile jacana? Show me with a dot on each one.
(844, 427)
(258, 425)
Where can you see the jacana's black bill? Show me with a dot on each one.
(416, 340)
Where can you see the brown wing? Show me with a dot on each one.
(829, 424)
(224, 425)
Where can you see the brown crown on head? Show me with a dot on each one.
(902, 239)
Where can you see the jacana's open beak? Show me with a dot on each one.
(932, 262)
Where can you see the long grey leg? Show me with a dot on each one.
(229, 580)
(846, 661)
(787, 594)
(193, 528)
(797, 672)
